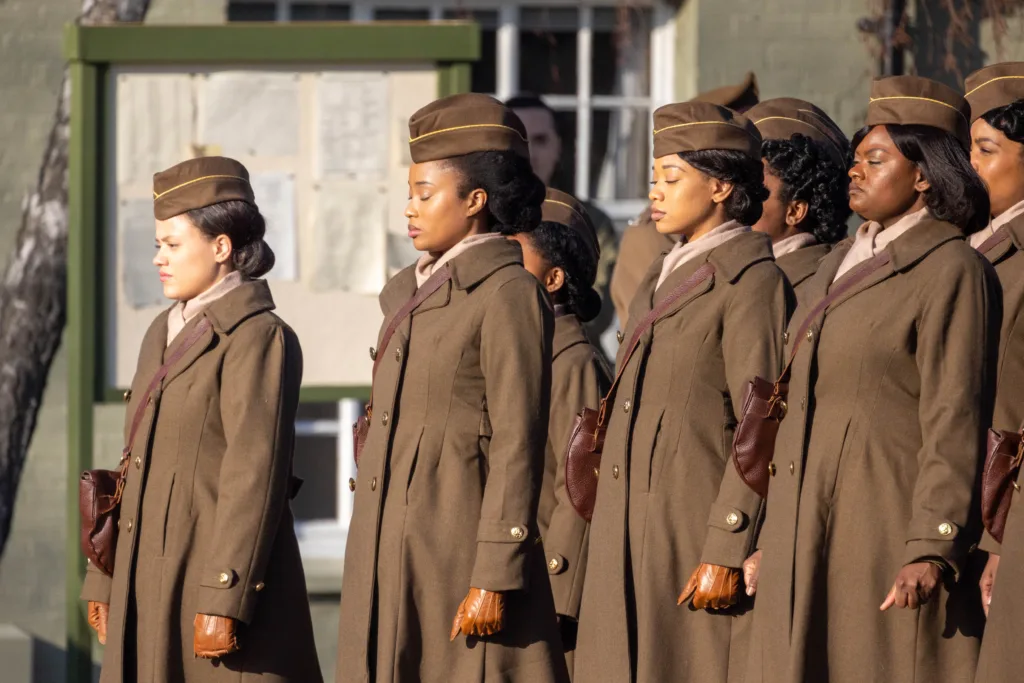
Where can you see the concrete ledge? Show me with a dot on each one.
(16, 654)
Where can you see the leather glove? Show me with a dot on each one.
(482, 613)
(988, 580)
(914, 585)
(98, 613)
(712, 587)
(214, 636)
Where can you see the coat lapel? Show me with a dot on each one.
(803, 263)
(1015, 228)
(568, 333)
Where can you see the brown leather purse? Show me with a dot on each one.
(586, 441)
(100, 491)
(764, 406)
(361, 428)
(999, 478)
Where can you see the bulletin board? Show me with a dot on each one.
(318, 113)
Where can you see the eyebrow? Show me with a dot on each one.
(678, 168)
(423, 182)
(989, 140)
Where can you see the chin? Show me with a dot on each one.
(170, 292)
(666, 229)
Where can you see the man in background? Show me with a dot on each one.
(641, 242)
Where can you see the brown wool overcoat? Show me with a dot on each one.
(207, 495)
(449, 482)
(1002, 657)
(641, 244)
(800, 265)
(668, 444)
(879, 454)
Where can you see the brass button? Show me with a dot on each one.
(792, 468)
(259, 586)
(138, 462)
(732, 519)
(810, 335)
(620, 336)
(518, 533)
(945, 528)
(131, 525)
(803, 403)
(552, 564)
(373, 484)
(398, 354)
(785, 337)
(1016, 487)
(224, 578)
(351, 484)
(626, 406)
(127, 396)
(384, 419)
(771, 469)
(373, 353)
(615, 472)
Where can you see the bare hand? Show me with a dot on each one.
(988, 580)
(914, 586)
(751, 572)
(98, 613)
(482, 613)
(214, 636)
(712, 587)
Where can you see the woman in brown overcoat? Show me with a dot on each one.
(444, 572)
(208, 584)
(870, 516)
(674, 412)
(563, 253)
(996, 96)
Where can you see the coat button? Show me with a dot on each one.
(771, 469)
(785, 337)
(384, 419)
(552, 564)
(138, 462)
(732, 519)
(373, 353)
(810, 335)
(792, 468)
(615, 472)
(626, 406)
(373, 484)
(351, 484)
(398, 354)
(224, 578)
(128, 396)
(259, 586)
(518, 533)
(945, 528)
(803, 403)
(131, 525)
(620, 336)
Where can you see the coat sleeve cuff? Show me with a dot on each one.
(96, 587)
(566, 557)
(990, 545)
(731, 537)
(502, 548)
(931, 538)
(223, 594)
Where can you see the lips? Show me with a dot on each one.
(657, 215)
(164, 277)
(414, 231)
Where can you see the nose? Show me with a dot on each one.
(409, 211)
(654, 195)
(974, 161)
(854, 171)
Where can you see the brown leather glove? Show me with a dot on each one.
(712, 587)
(98, 613)
(214, 636)
(914, 586)
(482, 613)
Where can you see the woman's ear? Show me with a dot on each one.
(475, 202)
(222, 248)
(921, 183)
(796, 212)
(720, 190)
(554, 279)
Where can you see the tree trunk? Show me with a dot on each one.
(33, 289)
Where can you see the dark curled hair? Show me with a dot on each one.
(957, 195)
(244, 225)
(746, 175)
(809, 174)
(1008, 120)
(514, 193)
(563, 247)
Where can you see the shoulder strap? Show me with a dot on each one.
(994, 240)
(433, 283)
(845, 284)
(702, 273)
(140, 410)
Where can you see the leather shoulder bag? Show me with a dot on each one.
(586, 441)
(999, 478)
(100, 491)
(764, 405)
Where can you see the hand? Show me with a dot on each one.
(214, 636)
(712, 587)
(988, 580)
(914, 586)
(98, 612)
(482, 613)
(751, 572)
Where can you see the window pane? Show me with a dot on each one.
(400, 14)
(547, 50)
(484, 73)
(620, 154)
(308, 11)
(316, 462)
(251, 11)
(621, 58)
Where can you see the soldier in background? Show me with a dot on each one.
(641, 242)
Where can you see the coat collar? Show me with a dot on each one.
(1015, 229)
(803, 263)
(568, 333)
(735, 256)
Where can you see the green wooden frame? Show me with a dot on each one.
(91, 51)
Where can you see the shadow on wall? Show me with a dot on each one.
(947, 48)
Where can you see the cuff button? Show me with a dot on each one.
(732, 519)
(945, 528)
(224, 578)
(518, 533)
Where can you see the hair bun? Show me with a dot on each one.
(588, 306)
(255, 259)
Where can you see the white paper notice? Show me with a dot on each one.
(139, 277)
(251, 113)
(352, 131)
(154, 124)
(275, 195)
(349, 239)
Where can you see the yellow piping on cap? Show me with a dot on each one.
(992, 80)
(157, 195)
(817, 130)
(703, 123)
(596, 249)
(872, 100)
(472, 125)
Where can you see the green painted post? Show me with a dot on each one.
(453, 78)
(80, 341)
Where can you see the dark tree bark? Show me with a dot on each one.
(34, 285)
